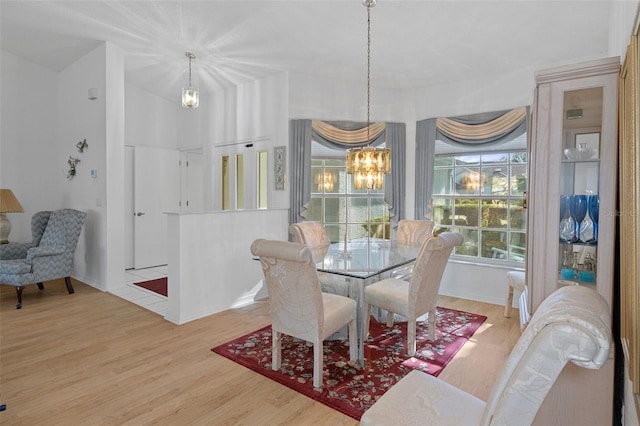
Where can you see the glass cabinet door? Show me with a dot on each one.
(579, 186)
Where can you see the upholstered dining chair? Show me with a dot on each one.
(312, 234)
(571, 325)
(411, 233)
(48, 257)
(298, 308)
(419, 295)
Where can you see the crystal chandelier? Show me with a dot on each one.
(368, 165)
(190, 98)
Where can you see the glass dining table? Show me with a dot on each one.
(348, 268)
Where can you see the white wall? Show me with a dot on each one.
(211, 268)
(241, 114)
(622, 24)
(30, 164)
(101, 122)
(150, 119)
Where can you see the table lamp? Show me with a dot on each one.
(8, 204)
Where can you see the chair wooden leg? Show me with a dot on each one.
(411, 336)
(19, 293)
(353, 340)
(276, 337)
(508, 303)
(67, 281)
(317, 364)
(432, 325)
(40, 286)
(365, 321)
(390, 318)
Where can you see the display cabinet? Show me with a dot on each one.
(572, 183)
(571, 213)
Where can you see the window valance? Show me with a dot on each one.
(488, 131)
(347, 134)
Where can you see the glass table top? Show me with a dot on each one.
(363, 258)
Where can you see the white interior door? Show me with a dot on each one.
(156, 178)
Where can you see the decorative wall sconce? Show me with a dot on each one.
(72, 167)
(82, 145)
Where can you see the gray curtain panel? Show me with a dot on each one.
(395, 186)
(300, 168)
(428, 131)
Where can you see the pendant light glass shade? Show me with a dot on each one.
(190, 96)
(368, 165)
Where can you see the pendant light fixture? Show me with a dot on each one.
(368, 165)
(190, 98)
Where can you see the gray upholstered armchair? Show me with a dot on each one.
(49, 256)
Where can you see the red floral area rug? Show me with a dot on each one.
(157, 286)
(347, 387)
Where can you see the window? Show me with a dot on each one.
(346, 212)
(481, 195)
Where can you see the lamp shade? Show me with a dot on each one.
(9, 203)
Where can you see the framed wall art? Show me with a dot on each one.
(280, 166)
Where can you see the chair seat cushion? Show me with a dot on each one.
(420, 399)
(338, 312)
(516, 279)
(14, 266)
(390, 294)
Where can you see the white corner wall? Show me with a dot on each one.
(325, 99)
(101, 121)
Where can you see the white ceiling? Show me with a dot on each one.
(414, 43)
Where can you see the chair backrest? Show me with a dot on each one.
(413, 232)
(38, 225)
(295, 298)
(63, 228)
(428, 270)
(571, 324)
(312, 234)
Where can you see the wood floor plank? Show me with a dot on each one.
(93, 358)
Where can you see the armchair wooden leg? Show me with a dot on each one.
(40, 286)
(67, 281)
(19, 292)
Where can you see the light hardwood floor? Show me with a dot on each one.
(92, 358)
